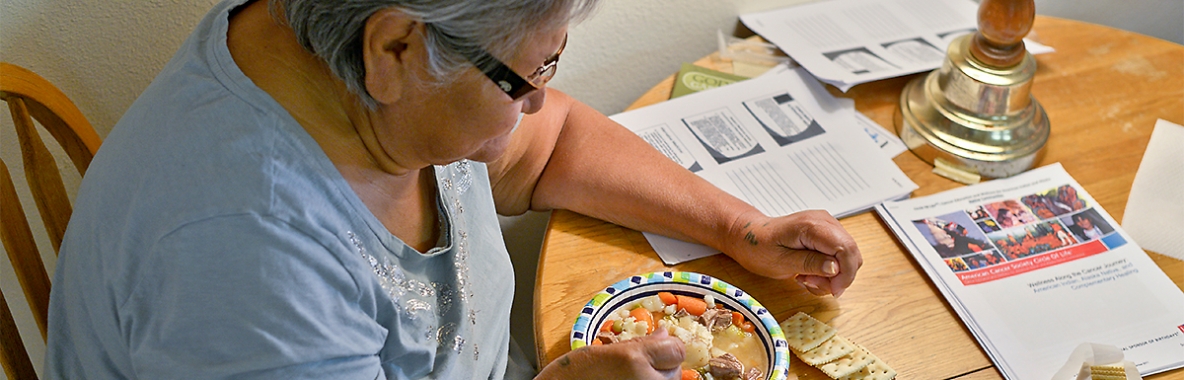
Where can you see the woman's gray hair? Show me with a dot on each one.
(332, 30)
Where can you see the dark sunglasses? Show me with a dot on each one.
(510, 82)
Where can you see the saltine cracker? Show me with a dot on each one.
(804, 333)
(834, 348)
(876, 370)
(848, 364)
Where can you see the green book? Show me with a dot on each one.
(691, 79)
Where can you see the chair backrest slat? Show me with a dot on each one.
(16, 361)
(22, 251)
(41, 172)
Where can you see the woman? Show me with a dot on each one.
(308, 190)
(1085, 227)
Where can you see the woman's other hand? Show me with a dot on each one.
(654, 357)
(811, 246)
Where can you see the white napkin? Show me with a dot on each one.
(1155, 209)
(1093, 354)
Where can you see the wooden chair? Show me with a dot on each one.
(31, 97)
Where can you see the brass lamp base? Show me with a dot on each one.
(970, 117)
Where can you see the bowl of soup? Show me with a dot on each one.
(726, 333)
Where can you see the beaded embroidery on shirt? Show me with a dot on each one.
(412, 296)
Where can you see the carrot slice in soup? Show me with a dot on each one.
(642, 315)
(667, 298)
(692, 305)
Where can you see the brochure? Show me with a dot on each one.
(1034, 268)
(692, 78)
(781, 143)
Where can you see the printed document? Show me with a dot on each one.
(692, 78)
(848, 42)
(780, 142)
(1035, 267)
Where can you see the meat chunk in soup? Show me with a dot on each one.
(725, 366)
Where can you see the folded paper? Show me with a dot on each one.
(1155, 209)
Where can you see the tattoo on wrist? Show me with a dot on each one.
(751, 238)
(564, 361)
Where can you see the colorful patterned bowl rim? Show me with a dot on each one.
(687, 283)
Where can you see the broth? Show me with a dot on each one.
(748, 349)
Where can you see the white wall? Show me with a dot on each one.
(103, 53)
(1163, 19)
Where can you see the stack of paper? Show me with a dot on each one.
(781, 142)
(845, 43)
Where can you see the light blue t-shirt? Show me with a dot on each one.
(213, 238)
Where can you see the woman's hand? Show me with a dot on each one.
(810, 246)
(657, 356)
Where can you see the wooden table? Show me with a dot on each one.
(1103, 90)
